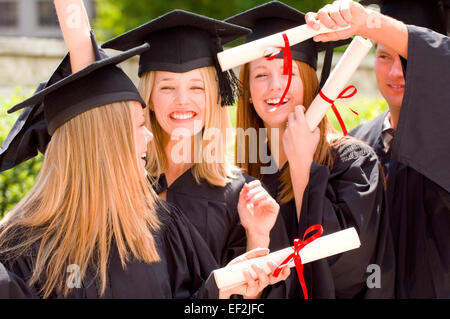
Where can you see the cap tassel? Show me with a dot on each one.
(229, 84)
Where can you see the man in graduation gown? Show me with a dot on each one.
(411, 139)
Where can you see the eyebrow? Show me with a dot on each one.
(383, 51)
(172, 79)
(258, 67)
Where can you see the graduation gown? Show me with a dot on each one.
(183, 272)
(417, 169)
(213, 212)
(349, 195)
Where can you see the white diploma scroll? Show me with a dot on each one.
(247, 52)
(322, 247)
(341, 74)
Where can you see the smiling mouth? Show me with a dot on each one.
(396, 87)
(177, 115)
(274, 102)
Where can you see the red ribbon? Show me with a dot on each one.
(333, 107)
(298, 245)
(287, 64)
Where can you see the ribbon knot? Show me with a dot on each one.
(287, 66)
(298, 246)
(333, 107)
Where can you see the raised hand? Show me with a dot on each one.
(339, 14)
(258, 212)
(298, 141)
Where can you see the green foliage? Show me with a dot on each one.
(117, 16)
(16, 182)
(367, 109)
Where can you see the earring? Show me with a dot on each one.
(250, 100)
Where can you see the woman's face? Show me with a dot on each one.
(267, 84)
(179, 101)
(143, 135)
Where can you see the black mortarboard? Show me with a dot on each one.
(273, 17)
(63, 97)
(182, 41)
(430, 14)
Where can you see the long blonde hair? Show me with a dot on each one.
(89, 197)
(218, 173)
(246, 117)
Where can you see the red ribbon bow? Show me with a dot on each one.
(287, 64)
(333, 107)
(298, 245)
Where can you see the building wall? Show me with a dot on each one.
(32, 18)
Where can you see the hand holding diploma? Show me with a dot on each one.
(359, 21)
(253, 284)
(233, 275)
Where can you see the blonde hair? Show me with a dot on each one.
(246, 117)
(89, 197)
(218, 173)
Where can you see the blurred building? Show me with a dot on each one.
(33, 18)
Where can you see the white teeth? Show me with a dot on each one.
(397, 86)
(182, 116)
(276, 101)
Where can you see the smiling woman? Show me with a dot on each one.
(321, 178)
(186, 102)
(186, 91)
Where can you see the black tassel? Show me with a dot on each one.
(229, 84)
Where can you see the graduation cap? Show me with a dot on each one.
(431, 14)
(182, 41)
(274, 17)
(62, 98)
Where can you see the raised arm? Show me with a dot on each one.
(364, 22)
(74, 23)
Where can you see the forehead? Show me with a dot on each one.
(137, 109)
(383, 48)
(263, 63)
(193, 75)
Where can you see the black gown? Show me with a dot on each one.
(417, 168)
(183, 272)
(350, 195)
(213, 211)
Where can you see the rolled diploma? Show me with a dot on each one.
(322, 247)
(337, 80)
(247, 52)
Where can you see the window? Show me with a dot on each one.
(8, 14)
(47, 14)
